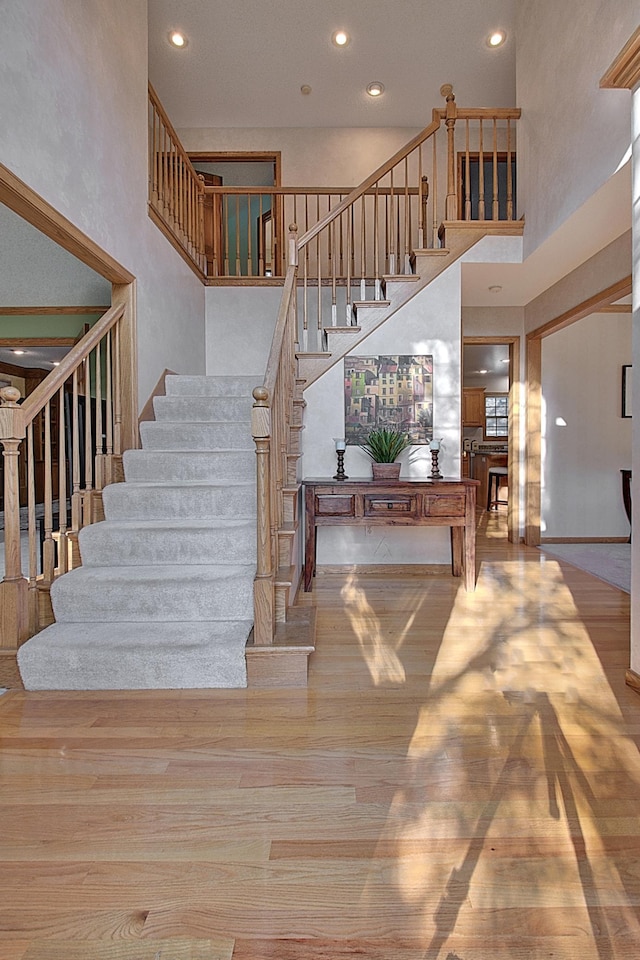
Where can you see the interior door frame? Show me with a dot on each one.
(598, 303)
(253, 156)
(514, 442)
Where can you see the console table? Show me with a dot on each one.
(406, 502)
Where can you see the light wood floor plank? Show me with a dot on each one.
(460, 781)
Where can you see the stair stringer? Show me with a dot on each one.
(399, 290)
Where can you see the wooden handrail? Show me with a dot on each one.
(300, 191)
(47, 389)
(357, 192)
(153, 96)
(275, 353)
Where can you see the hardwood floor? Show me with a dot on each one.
(460, 781)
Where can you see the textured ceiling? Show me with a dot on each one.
(246, 60)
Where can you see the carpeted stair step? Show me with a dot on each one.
(168, 542)
(187, 435)
(157, 593)
(185, 386)
(203, 409)
(193, 467)
(82, 656)
(170, 501)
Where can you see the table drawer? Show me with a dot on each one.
(335, 505)
(444, 505)
(389, 506)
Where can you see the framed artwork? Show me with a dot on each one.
(395, 392)
(626, 389)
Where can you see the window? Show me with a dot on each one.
(496, 410)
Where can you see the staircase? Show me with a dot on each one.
(164, 596)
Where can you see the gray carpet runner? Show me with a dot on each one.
(164, 596)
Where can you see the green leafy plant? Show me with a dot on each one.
(385, 446)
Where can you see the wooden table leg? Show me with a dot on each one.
(310, 540)
(457, 551)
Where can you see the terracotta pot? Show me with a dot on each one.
(385, 471)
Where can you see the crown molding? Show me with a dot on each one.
(624, 72)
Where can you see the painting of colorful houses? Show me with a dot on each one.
(391, 392)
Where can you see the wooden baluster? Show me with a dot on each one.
(481, 210)
(349, 231)
(407, 220)
(424, 207)
(421, 209)
(117, 395)
(76, 496)
(319, 274)
(495, 208)
(99, 446)
(363, 248)
(34, 539)
(87, 498)
(249, 237)
(14, 608)
(392, 232)
(467, 176)
(263, 595)
(238, 268)
(376, 243)
(334, 285)
(48, 547)
(227, 237)
(305, 301)
(62, 487)
(109, 400)
(261, 239)
(153, 180)
(434, 205)
(387, 235)
(509, 175)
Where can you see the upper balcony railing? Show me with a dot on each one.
(459, 168)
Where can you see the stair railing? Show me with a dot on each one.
(176, 192)
(61, 445)
(400, 208)
(271, 421)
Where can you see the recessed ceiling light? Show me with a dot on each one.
(495, 288)
(341, 38)
(497, 38)
(375, 89)
(55, 363)
(305, 89)
(18, 353)
(506, 360)
(178, 39)
(483, 371)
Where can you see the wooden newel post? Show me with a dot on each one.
(263, 593)
(14, 607)
(451, 206)
(293, 244)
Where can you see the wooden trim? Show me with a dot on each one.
(174, 241)
(544, 540)
(617, 308)
(482, 113)
(27, 204)
(124, 295)
(147, 412)
(594, 304)
(241, 156)
(13, 370)
(514, 443)
(533, 492)
(38, 341)
(50, 311)
(632, 679)
(624, 72)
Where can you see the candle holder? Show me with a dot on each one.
(341, 446)
(434, 447)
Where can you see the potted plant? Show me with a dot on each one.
(384, 447)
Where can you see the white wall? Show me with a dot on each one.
(239, 329)
(572, 136)
(429, 324)
(73, 124)
(320, 157)
(585, 441)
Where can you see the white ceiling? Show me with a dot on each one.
(246, 60)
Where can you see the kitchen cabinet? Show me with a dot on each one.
(473, 407)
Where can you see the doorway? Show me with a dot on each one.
(491, 366)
